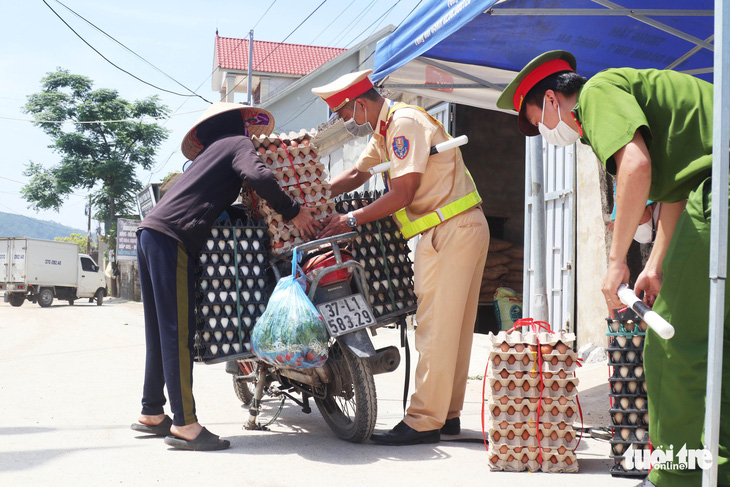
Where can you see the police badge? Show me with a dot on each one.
(400, 147)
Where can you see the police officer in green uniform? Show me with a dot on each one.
(653, 130)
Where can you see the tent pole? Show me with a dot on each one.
(539, 294)
(718, 237)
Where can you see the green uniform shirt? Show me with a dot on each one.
(673, 112)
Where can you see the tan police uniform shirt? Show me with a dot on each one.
(407, 145)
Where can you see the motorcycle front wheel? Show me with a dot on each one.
(350, 407)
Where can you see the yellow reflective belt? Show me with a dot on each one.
(412, 228)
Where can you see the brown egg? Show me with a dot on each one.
(525, 411)
(494, 459)
(272, 147)
(562, 450)
(518, 374)
(526, 386)
(504, 374)
(562, 347)
(568, 361)
(555, 387)
(562, 374)
(569, 387)
(278, 245)
(305, 142)
(261, 150)
(569, 413)
(533, 348)
(511, 410)
(562, 426)
(496, 411)
(504, 346)
(511, 359)
(318, 172)
(504, 399)
(519, 347)
(568, 461)
(525, 435)
(511, 386)
(554, 436)
(511, 435)
(497, 360)
(497, 386)
(555, 411)
(526, 359)
(554, 360)
(553, 459)
(313, 155)
(563, 401)
(503, 449)
(568, 437)
(511, 458)
(293, 143)
(280, 160)
(504, 425)
(525, 459)
(547, 375)
(546, 349)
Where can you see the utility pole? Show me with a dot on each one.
(250, 67)
(88, 229)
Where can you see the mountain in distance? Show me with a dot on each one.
(12, 225)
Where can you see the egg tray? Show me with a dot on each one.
(627, 387)
(628, 402)
(555, 414)
(620, 418)
(525, 362)
(635, 342)
(230, 297)
(394, 264)
(531, 338)
(626, 328)
(626, 372)
(497, 373)
(551, 388)
(528, 436)
(619, 447)
(301, 137)
(618, 470)
(619, 357)
(520, 462)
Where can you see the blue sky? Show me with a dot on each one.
(175, 36)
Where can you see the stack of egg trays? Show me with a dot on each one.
(627, 397)
(232, 289)
(297, 168)
(518, 400)
(384, 253)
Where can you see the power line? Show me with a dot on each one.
(330, 25)
(128, 49)
(279, 44)
(355, 21)
(110, 62)
(123, 120)
(264, 15)
(13, 180)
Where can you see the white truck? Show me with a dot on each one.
(41, 270)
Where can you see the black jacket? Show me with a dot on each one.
(211, 184)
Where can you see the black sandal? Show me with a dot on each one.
(160, 429)
(205, 441)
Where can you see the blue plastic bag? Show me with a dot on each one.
(291, 332)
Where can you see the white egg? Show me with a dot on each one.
(636, 340)
(257, 295)
(260, 258)
(249, 232)
(221, 244)
(639, 371)
(625, 433)
(234, 322)
(214, 232)
(226, 258)
(624, 401)
(211, 296)
(205, 310)
(244, 270)
(639, 402)
(203, 284)
(227, 284)
(245, 244)
(640, 432)
(223, 295)
(621, 341)
(630, 356)
(256, 245)
(203, 258)
(246, 295)
(623, 371)
(216, 283)
(250, 283)
(226, 232)
(249, 258)
(218, 335)
(210, 270)
(216, 310)
(237, 347)
(225, 347)
(214, 258)
(231, 270)
(214, 349)
(618, 418)
(633, 418)
(251, 308)
(222, 270)
(230, 335)
(224, 322)
(210, 244)
(632, 386)
(228, 309)
(206, 336)
(212, 322)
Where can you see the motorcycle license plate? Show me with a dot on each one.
(346, 315)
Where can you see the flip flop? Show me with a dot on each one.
(205, 441)
(160, 429)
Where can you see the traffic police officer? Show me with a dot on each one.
(653, 130)
(430, 195)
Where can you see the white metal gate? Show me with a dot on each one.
(558, 191)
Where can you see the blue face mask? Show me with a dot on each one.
(358, 129)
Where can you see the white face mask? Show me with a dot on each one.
(562, 135)
(359, 129)
(646, 232)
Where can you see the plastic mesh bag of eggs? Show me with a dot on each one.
(533, 395)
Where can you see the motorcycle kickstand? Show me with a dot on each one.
(255, 408)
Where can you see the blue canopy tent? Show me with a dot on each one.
(466, 51)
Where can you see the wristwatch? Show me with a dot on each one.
(351, 221)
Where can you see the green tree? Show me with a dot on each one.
(96, 157)
(78, 239)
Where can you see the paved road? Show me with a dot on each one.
(70, 381)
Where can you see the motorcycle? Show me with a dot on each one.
(343, 388)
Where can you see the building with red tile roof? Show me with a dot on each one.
(275, 65)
